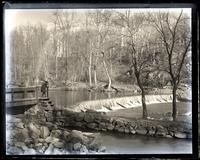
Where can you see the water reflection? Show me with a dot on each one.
(120, 143)
(68, 98)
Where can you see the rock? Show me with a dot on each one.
(110, 127)
(77, 146)
(66, 134)
(121, 129)
(39, 146)
(92, 125)
(120, 122)
(19, 125)
(151, 130)
(76, 136)
(56, 133)
(58, 144)
(95, 144)
(51, 139)
(57, 151)
(34, 110)
(102, 125)
(33, 130)
(89, 117)
(161, 131)
(49, 150)
(83, 149)
(80, 117)
(133, 131)
(44, 131)
(102, 149)
(30, 151)
(141, 130)
(24, 133)
(40, 140)
(15, 151)
(28, 141)
(21, 145)
(127, 130)
(180, 135)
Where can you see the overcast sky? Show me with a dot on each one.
(16, 17)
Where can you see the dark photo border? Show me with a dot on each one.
(104, 4)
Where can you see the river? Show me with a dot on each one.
(120, 143)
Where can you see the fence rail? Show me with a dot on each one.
(22, 96)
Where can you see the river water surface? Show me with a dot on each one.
(120, 143)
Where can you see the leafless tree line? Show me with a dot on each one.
(101, 45)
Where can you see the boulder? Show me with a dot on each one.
(102, 149)
(79, 124)
(30, 151)
(80, 117)
(58, 144)
(83, 149)
(56, 133)
(33, 130)
(21, 145)
(141, 130)
(19, 125)
(14, 151)
(180, 135)
(24, 133)
(110, 127)
(127, 130)
(102, 125)
(161, 131)
(120, 122)
(89, 117)
(92, 125)
(121, 129)
(51, 139)
(76, 136)
(39, 146)
(44, 131)
(58, 151)
(77, 146)
(49, 150)
(66, 135)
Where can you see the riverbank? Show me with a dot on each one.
(45, 129)
(25, 137)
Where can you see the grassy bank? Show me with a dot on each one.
(161, 111)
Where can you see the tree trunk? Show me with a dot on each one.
(89, 70)
(174, 109)
(95, 76)
(144, 107)
(145, 113)
(108, 75)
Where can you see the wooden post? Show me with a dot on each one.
(25, 93)
(36, 93)
(12, 95)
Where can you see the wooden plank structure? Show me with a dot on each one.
(22, 96)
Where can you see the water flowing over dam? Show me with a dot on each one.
(107, 105)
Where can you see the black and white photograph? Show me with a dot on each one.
(98, 81)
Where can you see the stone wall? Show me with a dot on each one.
(101, 122)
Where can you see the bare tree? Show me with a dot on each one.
(176, 36)
(138, 47)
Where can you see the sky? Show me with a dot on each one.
(17, 17)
